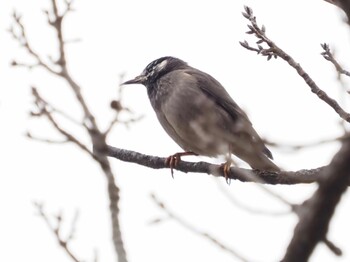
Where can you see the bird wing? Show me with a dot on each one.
(217, 93)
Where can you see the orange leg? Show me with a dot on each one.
(175, 159)
(226, 169)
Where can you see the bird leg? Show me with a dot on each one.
(227, 166)
(226, 169)
(174, 160)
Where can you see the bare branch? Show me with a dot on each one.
(65, 115)
(125, 122)
(29, 66)
(73, 226)
(46, 140)
(111, 125)
(42, 106)
(118, 107)
(195, 230)
(327, 54)
(247, 208)
(310, 144)
(273, 178)
(56, 230)
(274, 51)
(336, 250)
(22, 39)
(55, 18)
(317, 211)
(51, 109)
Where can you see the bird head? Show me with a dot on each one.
(157, 69)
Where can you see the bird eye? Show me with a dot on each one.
(149, 69)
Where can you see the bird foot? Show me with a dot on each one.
(173, 160)
(226, 169)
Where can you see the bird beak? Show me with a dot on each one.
(141, 79)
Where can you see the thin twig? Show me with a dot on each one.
(273, 51)
(336, 250)
(111, 125)
(327, 54)
(21, 37)
(118, 107)
(247, 208)
(195, 230)
(51, 109)
(56, 230)
(46, 140)
(307, 145)
(55, 18)
(73, 226)
(125, 122)
(42, 106)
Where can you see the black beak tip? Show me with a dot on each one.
(129, 82)
(137, 80)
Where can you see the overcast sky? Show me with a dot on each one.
(123, 37)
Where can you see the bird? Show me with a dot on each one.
(200, 116)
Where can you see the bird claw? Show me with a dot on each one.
(173, 160)
(226, 169)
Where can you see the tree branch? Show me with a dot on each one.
(327, 54)
(296, 147)
(195, 230)
(316, 213)
(55, 19)
(254, 211)
(56, 230)
(274, 51)
(42, 106)
(244, 175)
(46, 140)
(22, 39)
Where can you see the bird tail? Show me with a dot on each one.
(262, 162)
(259, 161)
(266, 163)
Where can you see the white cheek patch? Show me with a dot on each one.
(161, 65)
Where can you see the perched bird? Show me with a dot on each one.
(200, 116)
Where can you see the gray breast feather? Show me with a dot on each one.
(182, 109)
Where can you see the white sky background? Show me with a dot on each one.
(124, 36)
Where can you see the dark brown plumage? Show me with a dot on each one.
(199, 115)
